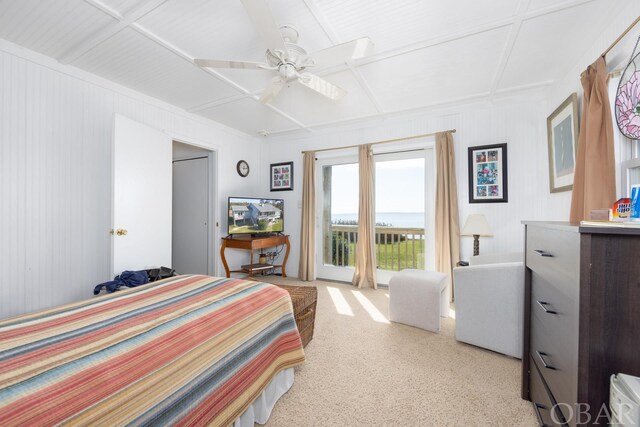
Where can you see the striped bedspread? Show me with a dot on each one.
(189, 350)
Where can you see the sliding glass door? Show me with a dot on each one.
(338, 218)
(404, 195)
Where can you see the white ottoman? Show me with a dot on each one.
(418, 298)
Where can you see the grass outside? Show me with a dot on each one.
(395, 256)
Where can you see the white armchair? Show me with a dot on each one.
(489, 300)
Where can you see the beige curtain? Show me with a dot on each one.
(307, 267)
(365, 274)
(594, 181)
(447, 221)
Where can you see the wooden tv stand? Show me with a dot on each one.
(250, 243)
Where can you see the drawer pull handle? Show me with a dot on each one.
(537, 407)
(543, 253)
(544, 307)
(541, 356)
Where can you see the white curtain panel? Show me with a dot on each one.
(365, 274)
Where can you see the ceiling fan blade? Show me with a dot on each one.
(272, 90)
(341, 53)
(219, 63)
(322, 86)
(263, 21)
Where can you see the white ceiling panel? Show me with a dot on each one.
(133, 60)
(547, 46)
(311, 108)
(438, 74)
(205, 28)
(540, 5)
(248, 116)
(221, 29)
(50, 27)
(392, 24)
(123, 7)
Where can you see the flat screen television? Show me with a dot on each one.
(255, 216)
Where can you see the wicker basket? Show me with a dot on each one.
(304, 299)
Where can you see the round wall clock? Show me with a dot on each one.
(243, 168)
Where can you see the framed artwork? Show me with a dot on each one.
(562, 135)
(282, 176)
(488, 174)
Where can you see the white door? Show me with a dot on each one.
(337, 216)
(191, 216)
(141, 197)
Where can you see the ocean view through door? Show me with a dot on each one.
(400, 198)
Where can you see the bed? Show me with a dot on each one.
(189, 350)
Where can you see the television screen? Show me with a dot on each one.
(252, 215)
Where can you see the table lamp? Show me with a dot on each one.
(476, 226)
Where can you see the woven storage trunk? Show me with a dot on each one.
(304, 299)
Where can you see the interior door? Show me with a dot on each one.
(141, 197)
(191, 216)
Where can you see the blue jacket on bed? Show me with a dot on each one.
(126, 278)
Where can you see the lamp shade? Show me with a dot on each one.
(476, 225)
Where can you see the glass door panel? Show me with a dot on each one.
(338, 201)
(400, 211)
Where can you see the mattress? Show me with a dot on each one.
(189, 350)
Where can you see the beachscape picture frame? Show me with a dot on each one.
(562, 135)
(281, 176)
(488, 174)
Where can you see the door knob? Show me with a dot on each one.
(119, 232)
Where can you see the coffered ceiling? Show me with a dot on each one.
(426, 52)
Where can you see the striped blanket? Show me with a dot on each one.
(189, 350)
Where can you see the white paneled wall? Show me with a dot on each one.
(55, 175)
(519, 121)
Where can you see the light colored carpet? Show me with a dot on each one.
(363, 372)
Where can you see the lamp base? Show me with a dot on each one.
(476, 244)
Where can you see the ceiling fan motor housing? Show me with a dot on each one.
(288, 70)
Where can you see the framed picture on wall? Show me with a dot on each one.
(282, 176)
(562, 135)
(488, 174)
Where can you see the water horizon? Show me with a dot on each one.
(395, 219)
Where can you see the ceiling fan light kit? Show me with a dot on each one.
(290, 60)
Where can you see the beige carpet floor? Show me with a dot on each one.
(361, 370)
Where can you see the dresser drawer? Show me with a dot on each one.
(554, 343)
(554, 318)
(544, 405)
(554, 254)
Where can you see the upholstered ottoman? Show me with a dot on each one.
(418, 298)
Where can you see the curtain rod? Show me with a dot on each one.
(424, 135)
(624, 33)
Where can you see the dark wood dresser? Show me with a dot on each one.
(582, 318)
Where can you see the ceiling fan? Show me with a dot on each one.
(288, 59)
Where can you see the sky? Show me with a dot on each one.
(399, 187)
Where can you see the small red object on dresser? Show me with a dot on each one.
(621, 210)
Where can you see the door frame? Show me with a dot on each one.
(344, 274)
(213, 224)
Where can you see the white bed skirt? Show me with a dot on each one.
(260, 409)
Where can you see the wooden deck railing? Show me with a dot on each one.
(396, 247)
